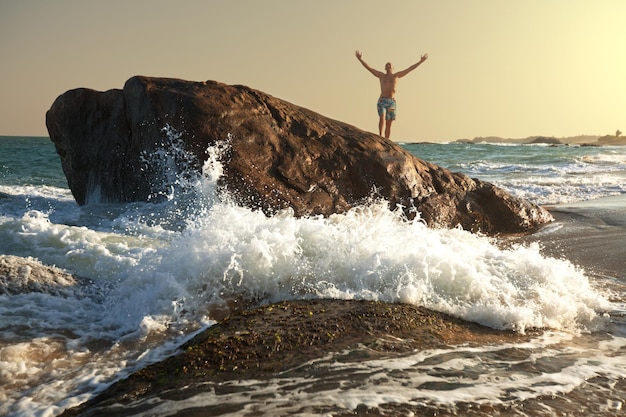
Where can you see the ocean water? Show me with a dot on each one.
(157, 273)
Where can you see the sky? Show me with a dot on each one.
(503, 68)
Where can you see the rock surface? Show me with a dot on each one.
(23, 275)
(258, 343)
(279, 156)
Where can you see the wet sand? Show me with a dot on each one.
(590, 234)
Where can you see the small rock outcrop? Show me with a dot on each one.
(264, 342)
(24, 275)
(279, 156)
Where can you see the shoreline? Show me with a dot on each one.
(591, 234)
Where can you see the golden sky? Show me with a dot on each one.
(497, 67)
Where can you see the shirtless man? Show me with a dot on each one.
(388, 80)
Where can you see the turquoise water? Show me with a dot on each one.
(30, 161)
(158, 271)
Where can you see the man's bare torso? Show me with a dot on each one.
(388, 85)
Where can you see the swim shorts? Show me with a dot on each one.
(387, 106)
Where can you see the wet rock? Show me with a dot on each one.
(258, 343)
(23, 275)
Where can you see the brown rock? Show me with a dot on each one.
(280, 156)
(261, 342)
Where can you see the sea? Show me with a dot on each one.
(154, 274)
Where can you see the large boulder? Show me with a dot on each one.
(279, 156)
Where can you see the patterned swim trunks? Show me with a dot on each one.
(387, 106)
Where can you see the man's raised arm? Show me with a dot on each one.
(412, 67)
(376, 73)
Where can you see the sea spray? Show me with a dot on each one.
(171, 164)
(229, 253)
(375, 254)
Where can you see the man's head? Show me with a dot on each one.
(388, 67)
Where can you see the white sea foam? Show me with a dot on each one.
(562, 188)
(539, 173)
(372, 253)
(579, 179)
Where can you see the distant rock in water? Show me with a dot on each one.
(546, 140)
(280, 156)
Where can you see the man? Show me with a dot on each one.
(387, 103)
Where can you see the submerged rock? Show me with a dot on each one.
(259, 343)
(279, 156)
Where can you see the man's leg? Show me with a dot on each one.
(381, 122)
(390, 116)
(388, 128)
